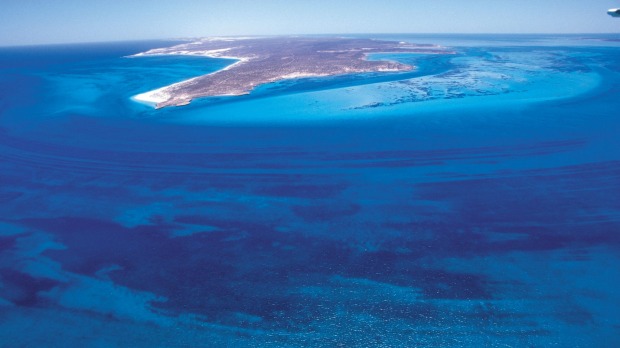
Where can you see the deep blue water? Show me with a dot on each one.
(472, 202)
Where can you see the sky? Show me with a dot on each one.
(64, 21)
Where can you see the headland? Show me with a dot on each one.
(266, 60)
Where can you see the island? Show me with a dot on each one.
(262, 60)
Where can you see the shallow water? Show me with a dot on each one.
(473, 202)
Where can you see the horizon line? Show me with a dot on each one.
(190, 38)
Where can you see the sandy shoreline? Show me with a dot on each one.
(162, 94)
(153, 97)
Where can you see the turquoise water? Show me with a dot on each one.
(471, 202)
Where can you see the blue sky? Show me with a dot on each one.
(57, 21)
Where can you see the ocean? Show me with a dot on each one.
(472, 202)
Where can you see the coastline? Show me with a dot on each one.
(156, 96)
(160, 95)
(301, 58)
